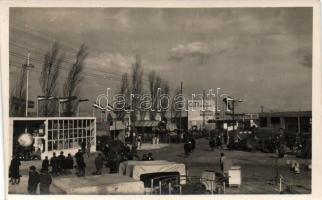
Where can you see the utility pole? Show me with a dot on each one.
(203, 110)
(27, 66)
(181, 85)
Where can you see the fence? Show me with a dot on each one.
(171, 184)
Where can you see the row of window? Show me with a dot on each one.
(69, 143)
(68, 124)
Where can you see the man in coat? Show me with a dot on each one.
(69, 163)
(61, 163)
(99, 161)
(44, 182)
(45, 163)
(33, 180)
(14, 170)
(54, 164)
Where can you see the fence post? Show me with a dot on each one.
(160, 187)
(152, 188)
(280, 184)
(169, 188)
(180, 189)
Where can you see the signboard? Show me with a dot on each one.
(199, 112)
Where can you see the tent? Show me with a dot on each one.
(101, 184)
(135, 169)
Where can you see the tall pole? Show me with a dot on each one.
(37, 107)
(27, 89)
(204, 112)
(180, 109)
(233, 101)
(58, 108)
(216, 108)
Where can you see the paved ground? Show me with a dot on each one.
(258, 169)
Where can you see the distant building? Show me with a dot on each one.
(292, 122)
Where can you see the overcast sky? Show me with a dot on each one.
(261, 55)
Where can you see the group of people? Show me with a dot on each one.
(59, 164)
(43, 179)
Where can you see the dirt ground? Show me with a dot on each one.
(258, 169)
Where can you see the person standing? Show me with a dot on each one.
(139, 141)
(44, 182)
(45, 163)
(212, 143)
(69, 163)
(33, 180)
(14, 170)
(61, 163)
(83, 146)
(99, 161)
(80, 165)
(54, 164)
(88, 148)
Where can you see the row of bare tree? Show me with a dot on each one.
(52, 65)
(134, 86)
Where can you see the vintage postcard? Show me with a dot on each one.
(170, 99)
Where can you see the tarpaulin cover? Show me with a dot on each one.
(102, 184)
(135, 169)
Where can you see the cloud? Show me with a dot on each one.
(111, 61)
(195, 50)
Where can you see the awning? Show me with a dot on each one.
(146, 123)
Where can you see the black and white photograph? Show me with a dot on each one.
(130, 100)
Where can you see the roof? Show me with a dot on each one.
(287, 114)
(146, 123)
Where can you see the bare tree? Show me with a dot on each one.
(18, 90)
(165, 88)
(124, 91)
(73, 80)
(48, 78)
(154, 84)
(137, 85)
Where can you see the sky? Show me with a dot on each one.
(260, 55)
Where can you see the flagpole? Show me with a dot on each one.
(58, 108)
(37, 106)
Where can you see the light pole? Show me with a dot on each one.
(27, 66)
(216, 111)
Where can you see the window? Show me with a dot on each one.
(66, 134)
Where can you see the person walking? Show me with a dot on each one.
(33, 180)
(44, 182)
(54, 164)
(221, 161)
(14, 170)
(45, 163)
(99, 161)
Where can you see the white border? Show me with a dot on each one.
(316, 76)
